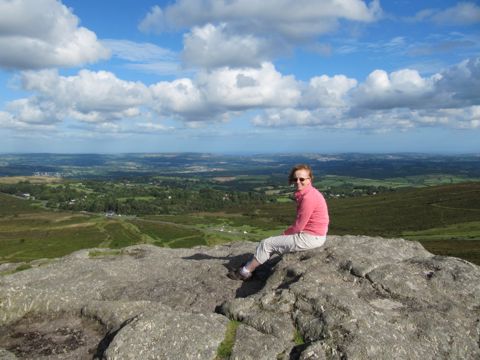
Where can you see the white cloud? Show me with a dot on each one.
(211, 46)
(153, 21)
(329, 117)
(463, 13)
(89, 96)
(6, 120)
(246, 33)
(238, 89)
(386, 101)
(401, 99)
(325, 91)
(224, 90)
(403, 88)
(33, 111)
(292, 18)
(180, 97)
(10, 121)
(43, 34)
(460, 84)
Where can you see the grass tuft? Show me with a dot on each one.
(225, 348)
(298, 338)
(98, 253)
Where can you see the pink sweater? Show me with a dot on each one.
(312, 213)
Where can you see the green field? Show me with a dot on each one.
(445, 219)
(407, 210)
(400, 182)
(28, 233)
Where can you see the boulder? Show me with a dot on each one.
(354, 298)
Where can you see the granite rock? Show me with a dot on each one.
(354, 298)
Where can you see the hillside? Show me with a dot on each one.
(407, 210)
(445, 219)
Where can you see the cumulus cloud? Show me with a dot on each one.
(384, 101)
(448, 98)
(34, 111)
(403, 88)
(399, 100)
(460, 84)
(181, 97)
(239, 89)
(292, 18)
(212, 46)
(224, 90)
(325, 91)
(327, 117)
(88, 97)
(247, 33)
(101, 97)
(44, 34)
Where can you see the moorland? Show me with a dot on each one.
(53, 204)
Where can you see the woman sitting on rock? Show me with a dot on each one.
(308, 231)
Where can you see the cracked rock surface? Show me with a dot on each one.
(354, 298)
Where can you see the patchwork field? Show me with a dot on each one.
(445, 219)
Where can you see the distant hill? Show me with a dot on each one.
(373, 166)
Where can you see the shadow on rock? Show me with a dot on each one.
(258, 280)
(251, 286)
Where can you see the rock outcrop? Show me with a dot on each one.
(354, 298)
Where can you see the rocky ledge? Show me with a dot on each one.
(354, 298)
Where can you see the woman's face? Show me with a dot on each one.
(300, 175)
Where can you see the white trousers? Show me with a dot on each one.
(287, 243)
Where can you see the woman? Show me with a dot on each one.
(308, 231)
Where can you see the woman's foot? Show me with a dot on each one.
(239, 274)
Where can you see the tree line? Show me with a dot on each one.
(134, 198)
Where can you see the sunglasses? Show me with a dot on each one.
(294, 180)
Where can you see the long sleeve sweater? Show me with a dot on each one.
(312, 213)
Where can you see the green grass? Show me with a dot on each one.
(10, 205)
(34, 244)
(103, 253)
(31, 233)
(225, 348)
(297, 338)
(163, 232)
(465, 249)
(121, 235)
(466, 231)
(408, 181)
(403, 211)
(186, 242)
(336, 180)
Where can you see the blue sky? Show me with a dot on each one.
(237, 76)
